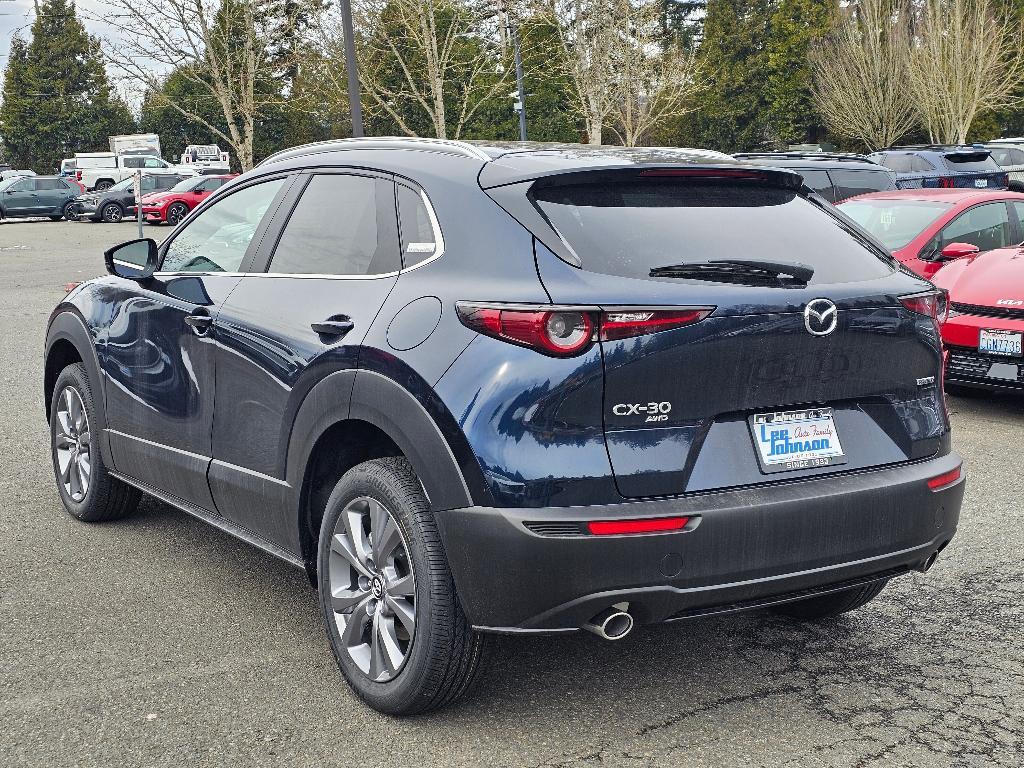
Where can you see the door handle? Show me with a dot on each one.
(199, 322)
(338, 326)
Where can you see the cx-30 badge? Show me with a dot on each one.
(820, 317)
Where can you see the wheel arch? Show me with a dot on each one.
(350, 417)
(68, 341)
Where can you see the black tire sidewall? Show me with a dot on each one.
(110, 206)
(75, 376)
(413, 682)
(68, 211)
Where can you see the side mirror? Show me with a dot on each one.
(958, 251)
(135, 260)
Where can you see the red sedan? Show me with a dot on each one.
(173, 205)
(926, 228)
(985, 327)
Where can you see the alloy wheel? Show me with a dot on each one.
(112, 213)
(71, 444)
(175, 215)
(373, 591)
(70, 211)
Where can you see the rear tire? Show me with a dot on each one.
(70, 211)
(86, 487)
(412, 672)
(832, 604)
(103, 184)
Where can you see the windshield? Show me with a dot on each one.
(186, 184)
(894, 222)
(628, 228)
(970, 161)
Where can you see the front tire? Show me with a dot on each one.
(112, 213)
(393, 619)
(176, 213)
(87, 489)
(832, 604)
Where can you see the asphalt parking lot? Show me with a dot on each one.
(160, 641)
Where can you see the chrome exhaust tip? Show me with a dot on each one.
(610, 624)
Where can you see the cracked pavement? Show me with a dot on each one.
(158, 641)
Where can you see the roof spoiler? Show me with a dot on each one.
(498, 174)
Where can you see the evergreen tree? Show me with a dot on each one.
(17, 136)
(61, 102)
(732, 115)
(795, 25)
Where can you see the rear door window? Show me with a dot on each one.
(342, 225)
(627, 228)
(419, 240)
(849, 183)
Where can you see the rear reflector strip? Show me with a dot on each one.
(945, 479)
(649, 525)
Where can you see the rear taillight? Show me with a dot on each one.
(933, 304)
(568, 331)
(1005, 180)
(78, 175)
(946, 182)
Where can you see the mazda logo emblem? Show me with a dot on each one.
(820, 317)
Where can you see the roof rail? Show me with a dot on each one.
(931, 147)
(380, 142)
(840, 156)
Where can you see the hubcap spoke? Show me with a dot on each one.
(372, 591)
(71, 444)
(404, 612)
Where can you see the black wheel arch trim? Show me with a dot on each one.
(66, 324)
(373, 397)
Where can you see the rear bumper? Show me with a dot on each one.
(742, 549)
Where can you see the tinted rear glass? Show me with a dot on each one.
(628, 228)
(894, 222)
(970, 161)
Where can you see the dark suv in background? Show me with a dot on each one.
(114, 203)
(943, 167)
(517, 389)
(835, 177)
(49, 196)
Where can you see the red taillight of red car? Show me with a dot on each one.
(568, 331)
(933, 304)
(78, 175)
(625, 527)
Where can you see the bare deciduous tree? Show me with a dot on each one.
(590, 40)
(968, 58)
(216, 45)
(435, 56)
(651, 85)
(861, 84)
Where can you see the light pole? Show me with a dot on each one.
(352, 69)
(521, 101)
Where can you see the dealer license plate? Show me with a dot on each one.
(789, 440)
(981, 183)
(1000, 343)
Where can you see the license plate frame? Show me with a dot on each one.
(1001, 343)
(798, 426)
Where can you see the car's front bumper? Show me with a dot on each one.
(743, 548)
(965, 365)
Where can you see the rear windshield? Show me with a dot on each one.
(628, 228)
(894, 222)
(970, 161)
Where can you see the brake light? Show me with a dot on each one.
(650, 525)
(946, 182)
(707, 173)
(78, 175)
(945, 479)
(622, 324)
(568, 331)
(934, 304)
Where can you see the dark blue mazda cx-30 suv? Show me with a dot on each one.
(524, 388)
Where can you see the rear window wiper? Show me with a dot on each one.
(744, 271)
